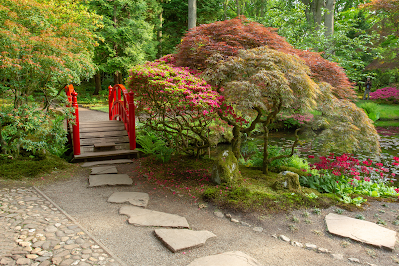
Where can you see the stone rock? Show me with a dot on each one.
(143, 217)
(362, 231)
(354, 260)
(323, 250)
(258, 229)
(179, 239)
(23, 261)
(110, 180)
(296, 244)
(236, 258)
(90, 164)
(135, 198)
(287, 180)
(234, 220)
(337, 256)
(310, 246)
(284, 238)
(225, 169)
(218, 214)
(101, 170)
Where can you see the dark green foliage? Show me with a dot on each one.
(152, 144)
(175, 14)
(323, 183)
(29, 167)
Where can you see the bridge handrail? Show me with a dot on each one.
(73, 102)
(123, 110)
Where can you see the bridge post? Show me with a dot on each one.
(75, 128)
(110, 99)
(132, 121)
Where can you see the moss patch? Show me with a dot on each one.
(29, 168)
(251, 192)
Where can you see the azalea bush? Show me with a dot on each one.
(175, 102)
(388, 94)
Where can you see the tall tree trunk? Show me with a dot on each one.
(97, 82)
(225, 5)
(192, 14)
(317, 12)
(308, 11)
(238, 7)
(262, 8)
(159, 35)
(329, 17)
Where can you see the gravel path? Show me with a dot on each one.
(139, 246)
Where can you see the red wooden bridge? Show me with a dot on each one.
(111, 139)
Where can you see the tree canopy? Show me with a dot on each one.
(44, 45)
(228, 37)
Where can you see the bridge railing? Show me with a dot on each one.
(73, 102)
(121, 107)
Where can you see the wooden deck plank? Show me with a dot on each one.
(89, 155)
(102, 129)
(89, 135)
(92, 141)
(119, 147)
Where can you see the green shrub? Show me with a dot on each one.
(153, 144)
(371, 109)
(29, 130)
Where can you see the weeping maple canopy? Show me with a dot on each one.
(229, 37)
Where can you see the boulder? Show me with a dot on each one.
(225, 169)
(287, 180)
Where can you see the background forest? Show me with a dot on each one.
(362, 36)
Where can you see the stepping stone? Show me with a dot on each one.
(236, 258)
(142, 217)
(179, 239)
(362, 231)
(104, 170)
(109, 180)
(89, 164)
(135, 198)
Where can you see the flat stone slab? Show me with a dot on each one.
(99, 170)
(142, 217)
(179, 239)
(90, 164)
(236, 258)
(362, 231)
(135, 198)
(109, 180)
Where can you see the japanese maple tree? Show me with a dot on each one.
(230, 36)
(259, 83)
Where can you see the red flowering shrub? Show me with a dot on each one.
(230, 36)
(389, 94)
(176, 102)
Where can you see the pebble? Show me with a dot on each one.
(284, 238)
(218, 214)
(310, 246)
(258, 229)
(36, 233)
(337, 256)
(354, 260)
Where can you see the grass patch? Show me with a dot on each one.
(16, 169)
(387, 111)
(98, 107)
(385, 123)
(252, 192)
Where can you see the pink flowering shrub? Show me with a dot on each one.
(389, 94)
(367, 170)
(176, 102)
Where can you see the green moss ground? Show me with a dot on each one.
(252, 192)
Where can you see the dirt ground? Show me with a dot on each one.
(139, 246)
